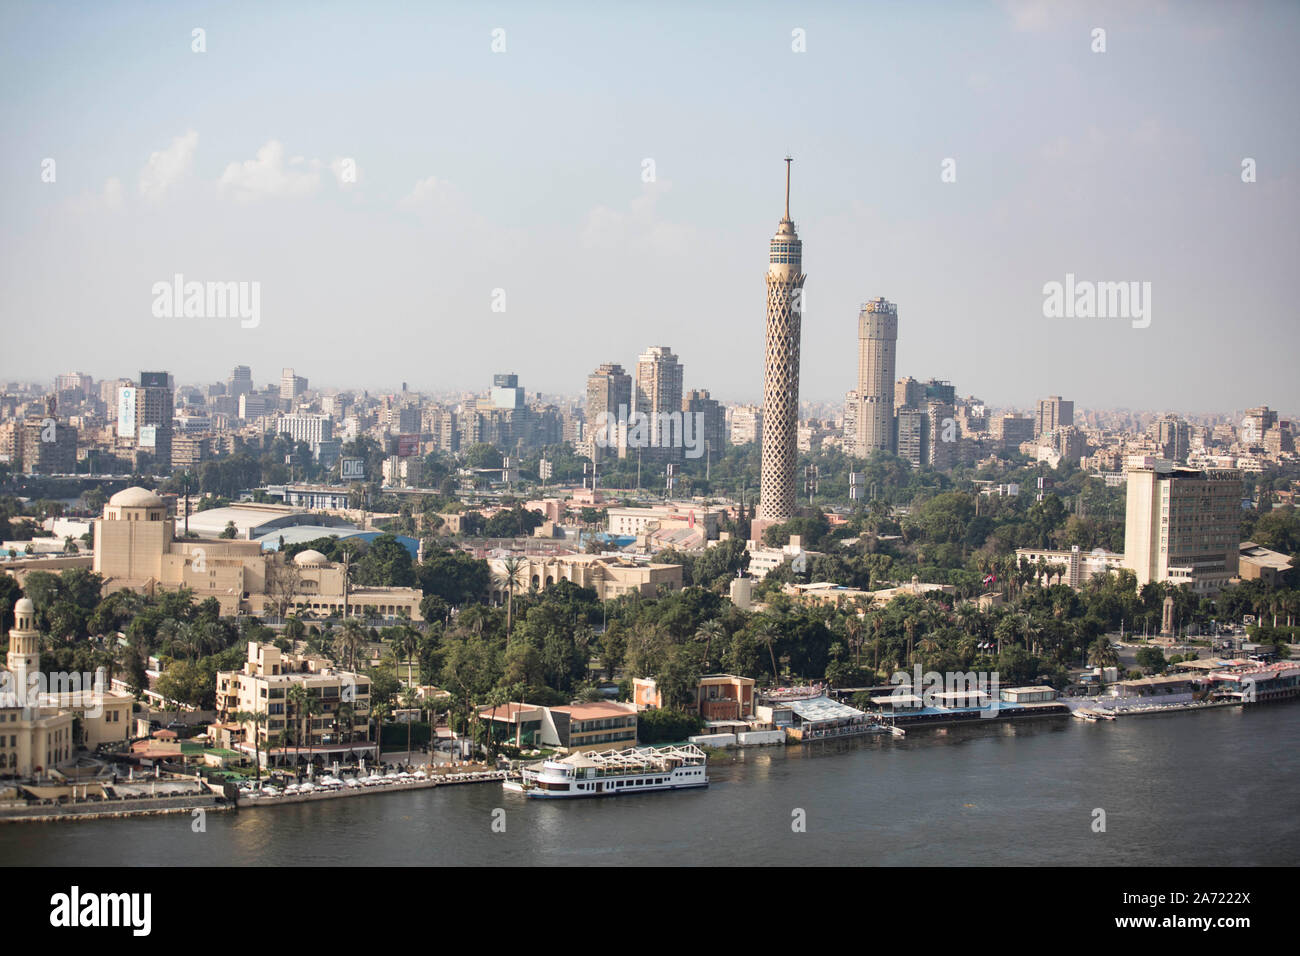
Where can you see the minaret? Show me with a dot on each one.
(24, 657)
(781, 368)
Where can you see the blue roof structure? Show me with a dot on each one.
(300, 534)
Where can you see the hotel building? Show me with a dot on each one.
(1182, 524)
(336, 729)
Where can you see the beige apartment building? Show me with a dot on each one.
(136, 549)
(1182, 524)
(266, 685)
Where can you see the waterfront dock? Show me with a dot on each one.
(384, 785)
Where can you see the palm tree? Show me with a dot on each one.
(344, 718)
(709, 632)
(311, 708)
(853, 632)
(257, 719)
(297, 697)
(511, 575)
(766, 630)
(1031, 633)
(409, 641)
(496, 698)
(410, 701)
(1102, 653)
(377, 712)
(351, 639)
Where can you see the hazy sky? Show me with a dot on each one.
(524, 171)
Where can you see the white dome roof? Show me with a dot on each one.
(136, 498)
(310, 556)
(25, 606)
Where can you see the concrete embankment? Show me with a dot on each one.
(264, 801)
(111, 809)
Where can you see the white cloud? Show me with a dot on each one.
(167, 166)
(425, 192)
(268, 175)
(641, 224)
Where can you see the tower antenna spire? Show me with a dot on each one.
(788, 160)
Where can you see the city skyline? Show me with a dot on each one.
(294, 185)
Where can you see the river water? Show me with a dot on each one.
(1212, 788)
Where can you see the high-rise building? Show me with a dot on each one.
(1182, 524)
(849, 428)
(76, 382)
(49, 447)
(154, 404)
(913, 423)
(785, 279)
(241, 381)
(291, 385)
(877, 345)
(909, 393)
(942, 435)
(252, 406)
(1053, 412)
(1256, 423)
(659, 397)
(609, 399)
(938, 390)
(1009, 431)
(746, 424)
(311, 428)
(1173, 435)
(506, 392)
(709, 423)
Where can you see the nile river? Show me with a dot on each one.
(1211, 788)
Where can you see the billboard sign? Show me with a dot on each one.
(126, 412)
(352, 469)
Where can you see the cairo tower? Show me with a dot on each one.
(781, 371)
